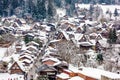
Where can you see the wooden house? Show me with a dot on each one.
(83, 38)
(79, 30)
(37, 25)
(17, 68)
(6, 22)
(101, 45)
(3, 67)
(60, 66)
(63, 35)
(15, 25)
(48, 71)
(50, 61)
(93, 36)
(69, 29)
(20, 21)
(32, 43)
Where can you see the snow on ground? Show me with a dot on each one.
(63, 76)
(2, 52)
(76, 78)
(61, 12)
(104, 7)
(6, 76)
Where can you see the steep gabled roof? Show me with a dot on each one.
(19, 64)
(45, 67)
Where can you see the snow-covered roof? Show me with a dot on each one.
(20, 64)
(25, 27)
(85, 43)
(66, 35)
(27, 56)
(53, 41)
(94, 34)
(33, 47)
(15, 24)
(22, 21)
(53, 59)
(73, 69)
(78, 36)
(97, 73)
(103, 43)
(32, 42)
(76, 78)
(63, 76)
(93, 41)
(90, 22)
(26, 60)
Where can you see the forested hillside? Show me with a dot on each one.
(41, 9)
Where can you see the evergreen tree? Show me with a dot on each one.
(116, 12)
(99, 58)
(114, 36)
(1, 7)
(39, 11)
(51, 9)
(58, 3)
(70, 7)
(91, 9)
(110, 36)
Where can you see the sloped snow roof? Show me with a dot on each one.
(63, 76)
(53, 59)
(94, 34)
(93, 42)
(33, 42)
(20, 64)
(103, 43)
(66, 35)
(78, 36)
(76, 78)
(31, 47)
(27, 56)
(25, 27)
(22, 21)
(96, 73)
(26, 60)
(73, 69)
(85, 43)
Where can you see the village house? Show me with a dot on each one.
(17, 67)
(50, 61)
(48, 71)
